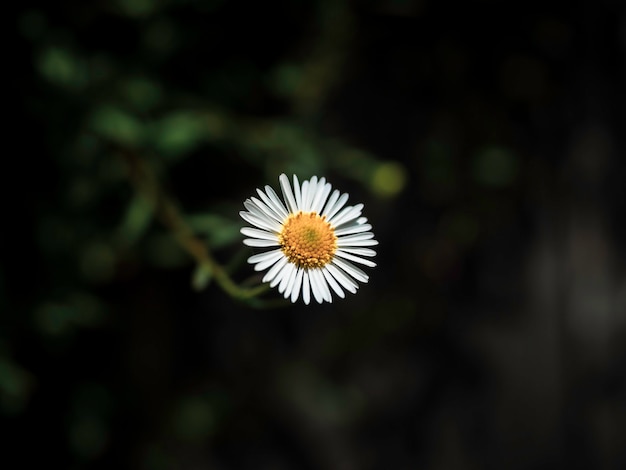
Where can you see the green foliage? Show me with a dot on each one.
(80, 310)
(133, 334)
(162, 251)
(137, 8)
(118, 126)
(16, 386)
(88, 421)
(201, 277)
(63, 68)
(136, 220)
(193, 419)
(495, 166)
(178, 133)
(218, 230)
(142, 93)
(148, 167)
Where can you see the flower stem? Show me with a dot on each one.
(146, 183)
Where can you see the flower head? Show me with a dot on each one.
(316, 239)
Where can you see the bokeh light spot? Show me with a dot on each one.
(389, 179)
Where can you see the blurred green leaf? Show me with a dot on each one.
(54, 319)
(495, 166)
(117, 125)
(142, 93)
(354, 162)
(193, 419)
(137, 8)
(61, 318)
(218, 231)
(285, 79)
(97, 261)
(162, 250)
(178, 133)
(201, 277)
(136, 220)
(161, 36)
(15, 386)
(61, 67)
(91, 407)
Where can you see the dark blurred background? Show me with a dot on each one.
(486, 140)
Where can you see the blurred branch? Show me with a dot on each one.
(146, 184)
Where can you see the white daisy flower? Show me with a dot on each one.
(317, 239)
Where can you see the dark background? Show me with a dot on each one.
(486, 140)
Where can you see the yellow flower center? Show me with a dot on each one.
(308, 240)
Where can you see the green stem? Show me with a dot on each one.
(147, 185)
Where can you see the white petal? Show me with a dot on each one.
(258, 212)
(276, 200)
(256, 233)
(297, 192)
(271, 204)
(361, 242)
(282, 273)
(304, 189)
(267, 210)
(289, 287)
(356, 237)
(337, 206)
(361, 220)
(315, 286)
(295, 290)
(306, 292)
(351, 269)
(266, 224)
(265, 260)
(263, 256)
(324, 285)
(353, 229)
(356, 259)
(290, 270)
(322, 193)
(359, 251)
(344, 279)
(259, 243)
(271, 274)
(331, 201)
(311, 194)
(346, 215)
(333, 284)
(286, 188)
